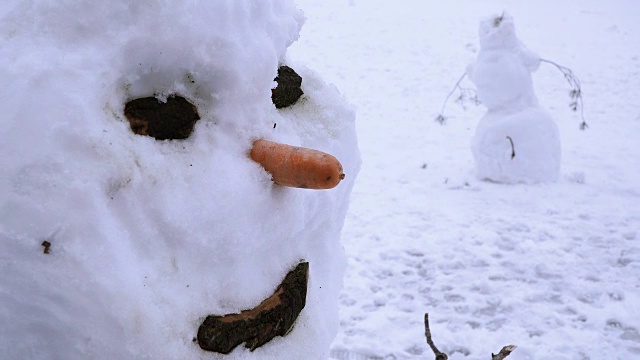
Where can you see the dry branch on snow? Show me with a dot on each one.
(504, 352)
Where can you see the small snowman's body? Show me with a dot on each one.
(517, 140)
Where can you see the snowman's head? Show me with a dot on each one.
(498, 32)
(502, 71)
(149, 235)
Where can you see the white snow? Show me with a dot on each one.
(550, 267)
(149, 237)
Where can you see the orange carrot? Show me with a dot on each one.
(296, 166)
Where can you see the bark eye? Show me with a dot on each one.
(288, 90)
(173, 119)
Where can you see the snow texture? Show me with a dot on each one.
(517, 140)
(149, 237)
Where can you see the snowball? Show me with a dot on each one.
(523, 146)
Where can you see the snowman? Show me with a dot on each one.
(516, 141)
(173, 186)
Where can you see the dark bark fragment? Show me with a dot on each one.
(255, 327)
(47, 247)
(288, 90)
(173, 119)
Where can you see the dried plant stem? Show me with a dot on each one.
(427, 332)
(576, 90)
(504, 352)
(455, 87)
(464, 96)
(513, 148)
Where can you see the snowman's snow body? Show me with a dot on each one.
(516, 140)
(148, 237)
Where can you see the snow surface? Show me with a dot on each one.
(552, 268)
(149, 237)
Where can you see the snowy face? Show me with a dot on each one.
(502, 71)
(498, 32)
(149, 235)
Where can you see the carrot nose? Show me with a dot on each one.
(297, 166)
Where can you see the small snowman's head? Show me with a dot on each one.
(498, 32)
(502, 71)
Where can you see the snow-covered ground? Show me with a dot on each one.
(552, 268)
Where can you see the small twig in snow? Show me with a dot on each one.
(427, 333)
(506, 351)
(576, 90)
(513, 148)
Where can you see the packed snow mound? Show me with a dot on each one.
(147, 237)
(517, 147)
(517, 140)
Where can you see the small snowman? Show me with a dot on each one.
(170, 183)
(516, 141)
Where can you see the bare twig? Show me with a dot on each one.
(427, 333)
(506, 351)
(576, 90)
(466, 94)
(513, 148)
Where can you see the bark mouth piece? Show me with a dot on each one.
(274, 316)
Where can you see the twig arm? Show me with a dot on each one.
(440, 118)
(576, 90)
